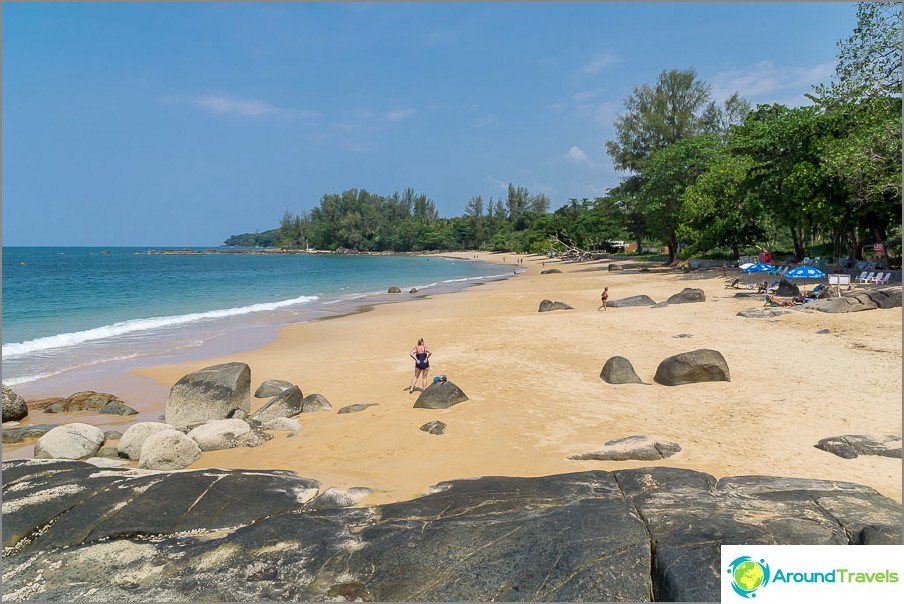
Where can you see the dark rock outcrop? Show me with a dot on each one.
(550, 271)
(767, 312)
(271, 388)
(850, 446)
(14, 406)
(440, 395)
(18, 434)
(209, 393)
(117, 408)
(619, 370)
(641, 448)
(641, 300)
(687, 296)
(701, 365)
(586, 536)
(356, 407)
(856, 301)
(434, 427)
(786, 289)
(285, 404)
(413, 290)
(99, 402)
(315, 402)
(548, 305)
(394, 290)
(615, 267)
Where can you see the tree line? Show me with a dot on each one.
(698, 176)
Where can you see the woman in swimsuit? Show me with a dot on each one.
(421, 355)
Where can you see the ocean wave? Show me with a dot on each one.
(24, 379)
(65, 340)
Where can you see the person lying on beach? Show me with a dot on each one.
(421, 355)
(771, 300)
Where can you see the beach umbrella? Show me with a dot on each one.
(759, 267)
(745, 266)
(805, 272)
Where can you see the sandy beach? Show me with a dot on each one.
(536, 396)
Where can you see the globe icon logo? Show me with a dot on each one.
(748, 575)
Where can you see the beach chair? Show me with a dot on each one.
(866, 279)
(784, 270)
(818, 292)
(861, 276)
(882, 279)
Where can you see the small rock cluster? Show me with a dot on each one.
(702, 365)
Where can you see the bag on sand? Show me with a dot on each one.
(439, 378)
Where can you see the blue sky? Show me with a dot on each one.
(183, 123)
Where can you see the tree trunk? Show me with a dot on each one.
(673, 249)
(797, 238)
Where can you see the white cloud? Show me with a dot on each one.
(766, 82)
(598, 63)
(398, 115)
(602, 113)
(251, 108)
(586, 95)
(576, 155)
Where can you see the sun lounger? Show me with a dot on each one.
(882, 279)
(866, 279)
(861, 276)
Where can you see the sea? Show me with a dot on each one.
(70, 309)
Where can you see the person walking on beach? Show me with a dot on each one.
(604, 298)
(421, 355)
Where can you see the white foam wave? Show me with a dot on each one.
(40, 376)
(64, 340)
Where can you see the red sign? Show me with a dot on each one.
(878, 249)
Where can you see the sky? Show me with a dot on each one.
(180, 124)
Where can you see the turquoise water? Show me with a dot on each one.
(65, 308)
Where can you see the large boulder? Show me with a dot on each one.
(850, 446)
(440, 395)
(394, 290)
(271, 388)
(548, 305)
(619, 370)
(219, 434)
(14, 406)
(641, 300)
(210, 393)
(287, 403)
(117, 408)
(133, 438)
(642, 448)
(315, 402)
(168, 450)
(20, 433)
(786, 289)
(701, 365)
(687, 295)
(71, 441)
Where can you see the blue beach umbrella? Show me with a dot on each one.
(805, 272)
(759, 267)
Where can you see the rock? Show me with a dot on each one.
(615, 267)
(134, 437)
(550, 271)
(440, 395)
(41, 403)
(70, 441)
(117, 408)
(14, 406)
(823, 331)
(413, 290)
(285, 404)
(219, 434)
(106, 462)
(701, 365)
(238, 414)
(631, 535)
(889, 297)
(394, 290)
(270, 388)
(840, 305)
(315, 402)
(109, 452)
(434, 427)
(112, 435)
(687, 295)
(684, 335)
(210, 393)
(89, 401)
(356, 407)
(850, 446)
(766, 312)
(640, 300)
(641, 448)
(619, 370)
(17, 435)
(548, 305)
(255, 438)
(168, 450)
(287, 424)
(786, 289)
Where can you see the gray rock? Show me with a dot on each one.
(413, 290)
(356, 407)
(615, 267)
(112, 435)
(287, 424)
(619, 370)
(285, 404)
(168, 450)
(394, 290)
(117, 408)
(255, 438)
(631, 535)
(315, 402)
(687, 295)
(850, 446)
(70, 441)
(823, 331)
(219, 434)
(434, 427)
(701, 365)
(134, 437)
(641, 300)
(209, 393)
(641, 448)
(548, 305)
(109, 452)
(550, 271)
(440, 395)
(766, 313)
(786, 289)
(270, 388)
(17, 435)
(840, 305)
(14, 406)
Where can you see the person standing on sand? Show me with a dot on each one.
(421, 355)
(604, 298)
